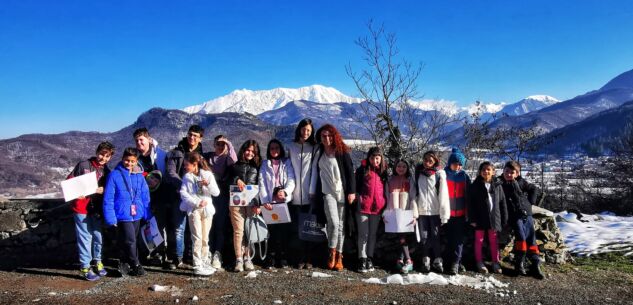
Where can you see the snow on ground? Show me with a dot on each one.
(487, 283)
(44, 196)
(594, 234)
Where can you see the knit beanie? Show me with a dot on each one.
(456, 157)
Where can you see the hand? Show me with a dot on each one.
(241, 185)
(474, 225)
(202, 204)
(350, 198)
(256, 210)
(99, 190)
(268, 206)
(204, 182)
(413, 222)
(384, 220)
(81, 197)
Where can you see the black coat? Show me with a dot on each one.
(520, 196)
(479, 206)
(247, 172)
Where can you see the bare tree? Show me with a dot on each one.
(388, 85)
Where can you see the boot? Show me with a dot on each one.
(535, 270)
(339, 262)
(519, 264)
(331, 259)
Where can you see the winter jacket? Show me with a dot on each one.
(173, 164)
(220, 165)
(191, 193)
(458, 184)
(124, 189)
(371, 190)
(157, 157)
(92, 204)
(346, 170)
(479, 211)
(247, 172)
(395, 187)
(431, 195)
(520, 196)
(301, 157)
(267, 180)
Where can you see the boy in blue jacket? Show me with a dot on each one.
(125, 203)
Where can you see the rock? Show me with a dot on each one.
(11, 221)
(541, 212)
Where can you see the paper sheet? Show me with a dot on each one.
(242, 199)
(83, 185)
(279, 214)
(398, 221)
(151, 235)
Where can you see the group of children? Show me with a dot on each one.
(314, 174)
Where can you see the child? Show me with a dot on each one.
(458, 183)
(520, 196)
(371, 178)
(431, 196)
(244, 172)
(276, 184)
(125, 203)
(487, 213)
(88, 213)
(398, 189)
(198, 185)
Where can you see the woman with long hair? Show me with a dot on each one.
(332, 185)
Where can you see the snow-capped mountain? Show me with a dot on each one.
(256, 102)
(529, 104)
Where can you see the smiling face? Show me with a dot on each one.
(190, 167)
(193, 139)
(487, 172)
(143, 144)
(327, 138)
(305, 133)
(220, 146)
(274, 150)
(510, 174)
(428, 162)
(129, 162)
(249, 153)
(375, 161)
(401, 168)
(104, 156)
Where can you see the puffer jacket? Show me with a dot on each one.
(301, 157)
(431, 196)
(124, 189)
(520, 196)
(458, 184)
(479, 210)
(191, 193)
(247, 172)
(267, 183)
(371, 190)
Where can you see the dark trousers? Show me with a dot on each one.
(279, 238)
(303, 250)
(218, 229)
(525, 238)
(455, 230)
(430, 235)
(126, 237)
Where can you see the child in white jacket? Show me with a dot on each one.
(198, 186)
(431, 196)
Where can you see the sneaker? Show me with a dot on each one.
(481, 268)
(248, 265)
(137, 270)
(400, 266)
(282, 263)
(408, 267)
(362, 265)
(239, 266)
(101, 269)
(269, 262)
(438, 265)
(308, 265)
(426, 264)
(203, 271)
(216, 260)
(535, 271)
(370, 265)
(453, 269)
(496, 268)
(124, 269)
(176, 264)
(88, 274)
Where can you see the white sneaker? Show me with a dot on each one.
(239, 266)
(482, 268)
(248, 265)
(203, 271)
(216, 262)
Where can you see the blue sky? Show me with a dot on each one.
(97, 65)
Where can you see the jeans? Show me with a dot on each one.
(367, 228)
(455, 233)
(176, 234)
(89, 239)
(335, 214)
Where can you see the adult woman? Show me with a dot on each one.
(300, 152)
(333, 183)
(244, 172)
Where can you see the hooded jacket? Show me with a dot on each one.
(267, 180)
(431, 195)
(371, 189)
(124, 189)
(191, 193)
(480, 212)
(301, 157)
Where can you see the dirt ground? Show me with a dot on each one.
(563, 285)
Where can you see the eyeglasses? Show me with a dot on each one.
(193, 135)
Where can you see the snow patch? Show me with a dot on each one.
(477, 282)
(595, 234)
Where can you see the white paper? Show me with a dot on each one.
(279, 214)
(83, 185)
(399, 221)
(151, 235)
(244, 198)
